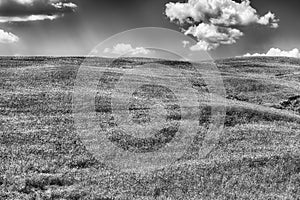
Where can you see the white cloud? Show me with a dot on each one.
(185, 43)
(123, 49)
(214, 22)
(295, 53)
(61, 5)
(269, 18)
(211, 36)
(55, 3)
(24, 1)
(203, 45)
(6, 37)
(28, 18)
(34, 10)
(31, 10)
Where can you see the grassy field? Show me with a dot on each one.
(257, 157)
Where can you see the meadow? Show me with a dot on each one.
(257, 156)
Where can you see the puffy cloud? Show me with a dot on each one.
(211, 36)
(6, 37)
(123, 49)
(269, 18)
(218, 19)
(218, 12)
(295, 53)
(29, 10)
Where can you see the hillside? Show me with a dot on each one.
(257, 156)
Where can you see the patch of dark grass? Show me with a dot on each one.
(236, 115)
(240, 115)
(42, 181)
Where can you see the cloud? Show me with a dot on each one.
(123, 49)
(61, 5)
(28, 18)
(34, 10)
(211, 36)
(185, 43)
(269, 19)
(25, 1)
(31, 10)
(215, 22)
(275, 52)
(6, 37)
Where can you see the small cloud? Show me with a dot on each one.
(28, 18)
(7, 37)
(25, 1)
(185, 43)
(216, 22)
(275, 52)
(61, 5)
(123, 49)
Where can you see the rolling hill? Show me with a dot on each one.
(257, 155)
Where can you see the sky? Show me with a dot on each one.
(223, 28)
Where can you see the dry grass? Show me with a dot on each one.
(42, 157)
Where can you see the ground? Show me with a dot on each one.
(256, 157)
